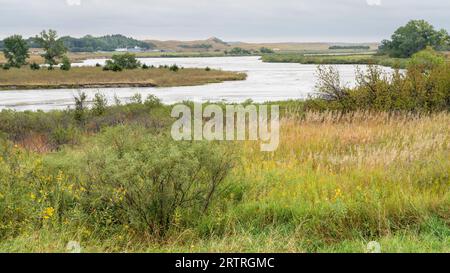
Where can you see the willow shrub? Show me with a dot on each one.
(150, 183)
(423, 87)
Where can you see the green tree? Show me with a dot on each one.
(15, 51)
(414, 37)
(54, 48)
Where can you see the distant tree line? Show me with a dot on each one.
(356, 47)
(105, 43)
(91, 44)
(197, 46)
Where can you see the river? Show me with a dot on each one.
(265, 82)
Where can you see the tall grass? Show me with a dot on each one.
(95, 76)
(335, 183)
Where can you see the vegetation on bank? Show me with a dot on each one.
(75, 57)
(407, 40)
(424, 87)
(368, 59)
(111, 178)
(86, 77)
(353, 47)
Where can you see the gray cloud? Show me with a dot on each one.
(232, 20)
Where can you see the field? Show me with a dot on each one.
(84, 77)
(335, 183)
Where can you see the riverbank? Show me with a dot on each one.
(82, 56)
(95, 77)
(355, 59)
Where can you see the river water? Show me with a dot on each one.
(265, 82)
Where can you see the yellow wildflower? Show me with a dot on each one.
(338, 193)
(48, 213)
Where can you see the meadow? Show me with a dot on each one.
(335, 183)
(82, 77)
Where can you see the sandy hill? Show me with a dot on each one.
(211, 44)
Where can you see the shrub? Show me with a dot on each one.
(112, 66)
(426, 59)
(61, 136)
(136, 98)
(80, 108)
(35, 66)
(122, 61)
(144, 66)
(174, 68)
(99, 105)
(126, 61)
(152, 101)
(238, 51)
(266, 50)
(66, 65)
(146, 182)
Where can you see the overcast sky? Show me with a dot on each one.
(231, 20)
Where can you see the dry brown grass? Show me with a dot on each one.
(77, 57)
(95, 77)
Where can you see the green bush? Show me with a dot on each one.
(174, 68)
(152, 101)
(112, 66)
(126, 61)
(122, 61)
(99, 105)
(424, 87)
(65, 65)
(35, 66)
(146, 182)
